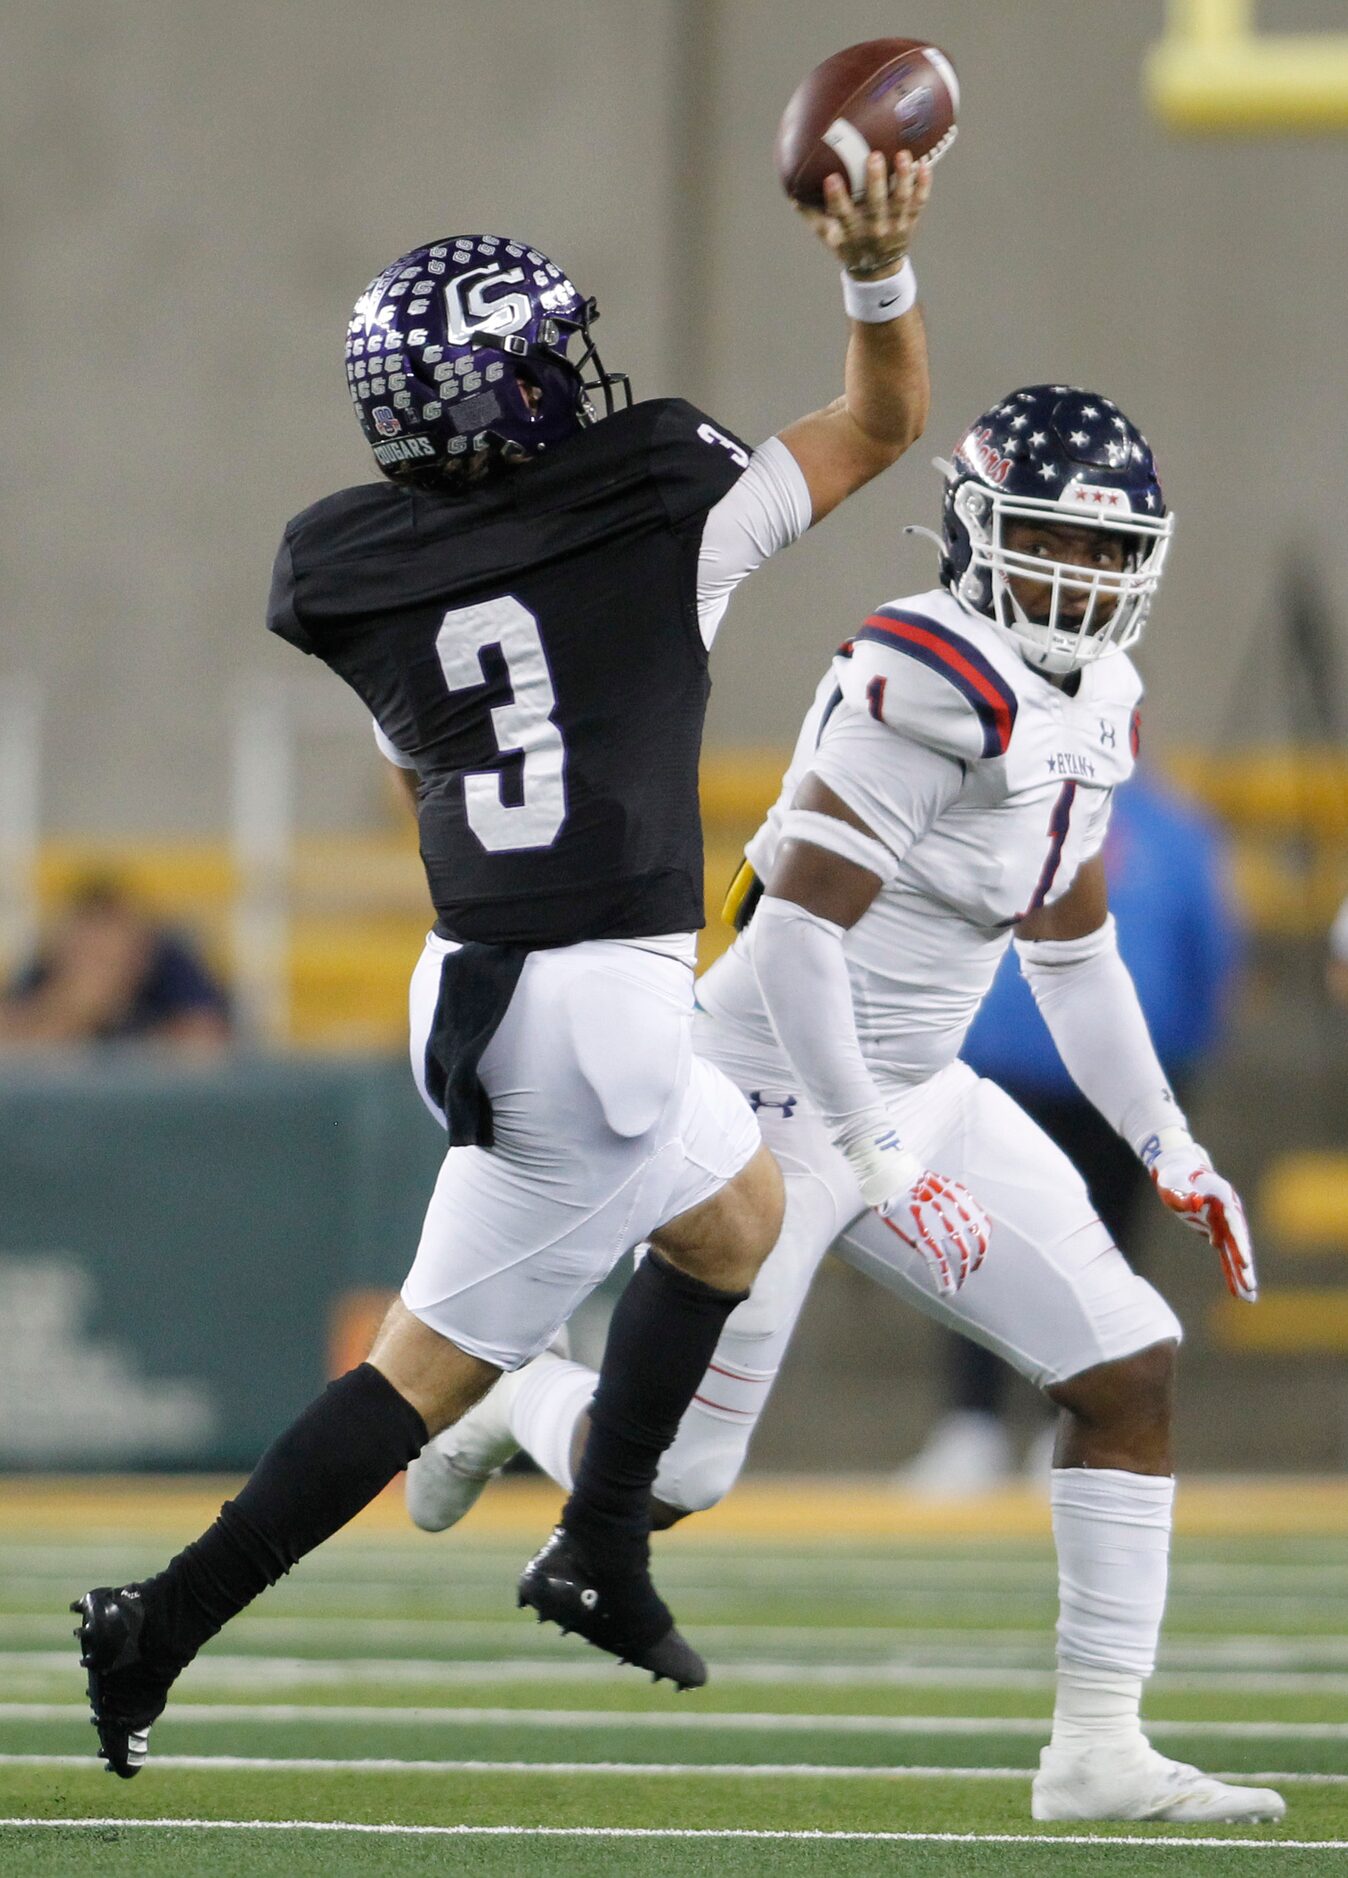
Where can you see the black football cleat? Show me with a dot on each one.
(126, 1692)
(623, 1615)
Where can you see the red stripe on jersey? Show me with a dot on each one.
(951, 656)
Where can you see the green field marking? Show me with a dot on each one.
(871, 1688)
(624, 1693)
(941, 1803)
(698, 1721)
(692, 1832)
(188, 1854)
(355, 1584)
(1314, 1694)
(1087, 1837)
(269, 1631)
(875, 1743)
(442, 1561)
(622, 1770)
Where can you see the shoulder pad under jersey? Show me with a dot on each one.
(947, 685)
(1115, 680)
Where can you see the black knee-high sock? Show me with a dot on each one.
(662, 1336)
(346, 1446)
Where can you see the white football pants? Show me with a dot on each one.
(1054, 1295)
(606, 1127)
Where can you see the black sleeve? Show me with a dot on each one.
(694, 462)
(282, 611)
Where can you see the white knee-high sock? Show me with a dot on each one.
(1112, 1532)
(551, 1396)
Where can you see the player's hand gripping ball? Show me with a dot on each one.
(885, 94)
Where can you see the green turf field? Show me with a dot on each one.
(876, 1706)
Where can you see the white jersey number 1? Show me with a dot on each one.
(525, 724)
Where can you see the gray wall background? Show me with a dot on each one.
(194, 196)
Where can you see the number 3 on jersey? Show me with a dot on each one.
(525, 724)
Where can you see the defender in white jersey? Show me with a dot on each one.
(948, 796)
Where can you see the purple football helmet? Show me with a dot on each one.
(1054, 454)
(456, 357)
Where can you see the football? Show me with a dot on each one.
(884, 94)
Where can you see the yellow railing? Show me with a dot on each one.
(357, 910)
(1214, 72)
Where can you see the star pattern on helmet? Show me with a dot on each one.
(1089, 410)
(1079, 437)
(1047, 471)
(1019, 422)
(1037, 437)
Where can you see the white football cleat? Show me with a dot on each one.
(1139, 1783)
(447, 1477)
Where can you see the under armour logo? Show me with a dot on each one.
(1108, 734)
(787, 1105)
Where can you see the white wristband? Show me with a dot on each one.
(875, 301)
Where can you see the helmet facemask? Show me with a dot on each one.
(1115, 602)
(1055, 457)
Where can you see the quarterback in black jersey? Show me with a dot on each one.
(525, 602)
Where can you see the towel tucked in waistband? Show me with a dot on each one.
(476, 985)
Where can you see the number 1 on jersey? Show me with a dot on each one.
(1058, 823)
(525, 724)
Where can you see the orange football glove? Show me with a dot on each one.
(1189, 1186)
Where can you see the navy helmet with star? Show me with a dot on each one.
(1055, 454)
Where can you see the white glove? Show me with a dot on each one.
(937, 1217)
(1188, 1185)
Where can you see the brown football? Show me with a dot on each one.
(884, 94)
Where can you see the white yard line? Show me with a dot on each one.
(1028, 1585)
(262, 1672)
(711, 1833)
(733, 1721)
(738, 1770)
(868, 1640)
(458, 1564)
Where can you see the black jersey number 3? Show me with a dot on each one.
(524, 725)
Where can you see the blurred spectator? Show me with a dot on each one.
(1165, 864)
(1336, 968)
(108, 972)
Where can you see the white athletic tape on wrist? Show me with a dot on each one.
(1171, 1140)
(872, 302)
(841, 838)
(884, 1168)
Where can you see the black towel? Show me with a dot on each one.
(476, 985)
